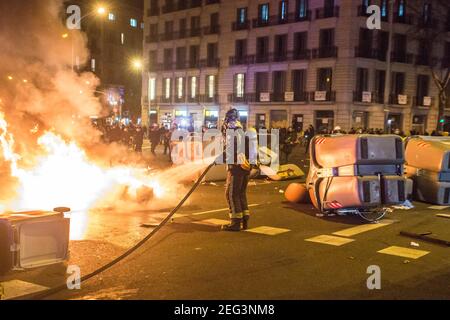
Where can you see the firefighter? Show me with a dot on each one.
(238, 173)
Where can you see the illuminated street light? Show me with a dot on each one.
(10, 78)
(136, 64)
(65, 35)
(101, 10)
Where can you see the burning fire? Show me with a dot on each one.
(64, 176)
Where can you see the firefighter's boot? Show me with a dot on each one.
(235, 226)
(245, 221)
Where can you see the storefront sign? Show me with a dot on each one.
(264, 97)
(320, 96)
(289, 96)
(402, 99)
(367, 96)
(427, 101)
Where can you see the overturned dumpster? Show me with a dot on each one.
(428, 164)
(357, 174)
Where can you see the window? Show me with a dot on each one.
(401, 8)
(93, 63)
(362, 80)
(193, 87)
(167, 88)
(261, 83)
(326, 38)
(142, 25)
(154, 30)
(212, 51)
(193, 56)
(111, 16)
(181, 57)
(241, 50)
(398, 83)
(299, 84)
(262, 49)
(133, 23)
(152, 61)
(302, 9)
(180, 87)
(427, 13)
(242, 16)
(264, 13)
(151, 89)
(300, 44)
(324, 79)
(384, 8)
(168, 58)
(183, 27)
(239, 85)
(122, 38)
(279, 85)
(423, 85)
(380, 81)
(211, 86)
(281, 47)
(284, 10)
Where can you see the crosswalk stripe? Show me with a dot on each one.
(182, 215)
(214, 222)
(438, 207)
(18, 288)
(350, 232)
(404, 252)
(270, 231)
(330, 240)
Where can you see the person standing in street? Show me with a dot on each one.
(309, 135)
(138, 139)
(238, 172)
(154, 138)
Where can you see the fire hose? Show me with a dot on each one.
(52, 291)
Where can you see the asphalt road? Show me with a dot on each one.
(192, 259)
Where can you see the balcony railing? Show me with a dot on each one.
(402, 57)
(181, 5)
(421, 102)
(271, 57)
(398, 100)
(426, 60)
(361, 97)
(325, 52)
(152, 39)
(210, 63)
(163, 99)
(404, 19)
(212, 29)
(153, 12)
(241, 99)
(191, 99)
(330, 96)
(364, 52)
(236, 26)
(323, 13)
(212, 2)
(181, 99)
(204, 98)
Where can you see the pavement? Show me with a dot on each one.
(290, 252)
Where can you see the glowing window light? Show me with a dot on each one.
(211, 86)
(152, 89)
(240, 85)
(180, 87)
(167, 91)
(193, 87)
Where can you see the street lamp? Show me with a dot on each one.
(136, 64)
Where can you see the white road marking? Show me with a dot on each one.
(439, 207)
(214, 222)
(404, 252)
(17, 288)
(270, 231)
(362, 228)
(181, 215)
(330, 240)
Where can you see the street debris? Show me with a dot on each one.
(407, 205)
(415, 244)
(442, 215)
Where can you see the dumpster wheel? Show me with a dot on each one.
(373, 215)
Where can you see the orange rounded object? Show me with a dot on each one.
(296, 193)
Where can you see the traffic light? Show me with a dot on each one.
(442, 121)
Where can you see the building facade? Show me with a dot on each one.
(286, 63)
(114, 40)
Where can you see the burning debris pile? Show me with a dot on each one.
(50, 155)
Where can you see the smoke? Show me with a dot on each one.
(37, 87)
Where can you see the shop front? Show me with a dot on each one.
(324, 121)
(419, 124)
(360, 119)
(394, 122)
